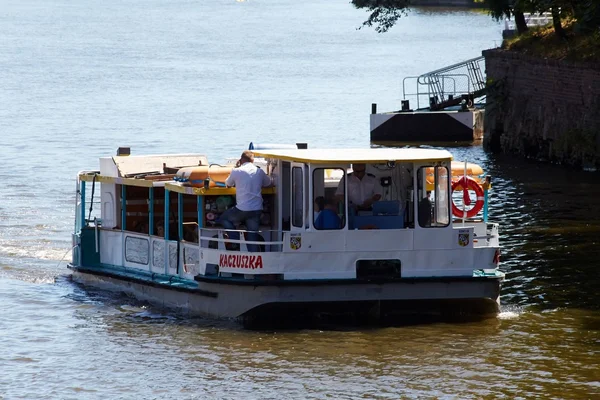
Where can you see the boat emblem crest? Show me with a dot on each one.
(463, 237)
(295, 241)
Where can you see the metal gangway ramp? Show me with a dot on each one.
(449, 86)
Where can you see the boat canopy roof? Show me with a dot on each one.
(130, 165)
(347, 156)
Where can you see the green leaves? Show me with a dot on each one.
(384, 13)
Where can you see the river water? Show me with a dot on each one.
(79, 79)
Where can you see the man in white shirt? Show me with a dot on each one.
(363, 188)
(248, 180)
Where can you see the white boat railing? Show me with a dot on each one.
(226, 239)
(154, 254)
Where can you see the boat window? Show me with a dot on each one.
(297, 197)
(433, 197)
(328, 209)
(136, 209)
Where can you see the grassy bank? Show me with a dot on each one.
(543, 42)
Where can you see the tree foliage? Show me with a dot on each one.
(385, 13)
(500, 9)
(587, 14)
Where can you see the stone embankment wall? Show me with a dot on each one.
(543, 109)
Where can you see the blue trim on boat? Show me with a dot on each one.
(180, 216)
(166, 228)
(146, 278)
(123, 208)
(200, 205)
(151, 211)
(82, 192)
(167, 211)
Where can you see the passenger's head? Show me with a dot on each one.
(319, 203)
(359, 170)
(330, 203)
(247, 156)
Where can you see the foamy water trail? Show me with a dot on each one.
(508, 315)
(510, 311)
(39, 251)
(31, 275)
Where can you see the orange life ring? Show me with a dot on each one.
(465, 183)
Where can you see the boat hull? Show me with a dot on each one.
(268, 300)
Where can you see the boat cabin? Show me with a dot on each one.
(159, 214)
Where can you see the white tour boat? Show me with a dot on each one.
(147, 226)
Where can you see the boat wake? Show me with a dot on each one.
(510, 312)
(32, 250)
(31, 276)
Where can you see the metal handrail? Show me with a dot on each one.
(443, 94)
(453, 66)
(436, 82)
(209, 235)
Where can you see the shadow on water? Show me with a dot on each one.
(342, 323)
(93, 296)
(550, 232)
(346, 315)
(425, 144)
(592, 324)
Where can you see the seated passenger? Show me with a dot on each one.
(319, 206)
(425, 209)
(160, 230)
(328, 218)
(190, 233)
(139, 226)
(363, 188)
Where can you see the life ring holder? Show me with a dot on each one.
(465, 183)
